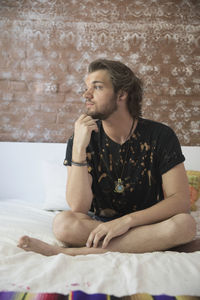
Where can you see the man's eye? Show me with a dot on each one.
(98, 87)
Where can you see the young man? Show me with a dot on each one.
(127, 186)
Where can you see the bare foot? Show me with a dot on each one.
(31, 244)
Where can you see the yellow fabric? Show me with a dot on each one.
(138, 297)
(194, 186)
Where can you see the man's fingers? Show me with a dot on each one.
(82, 117)
(97, 238)
(106, 237)
(86, 117)
(90, 240)
(88, 121)
(94, 238)
(106, 241)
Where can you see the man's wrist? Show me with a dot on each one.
(79, 156)
(130, 220)
(79, 164)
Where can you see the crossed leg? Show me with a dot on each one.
(74, 229)
(70, 228)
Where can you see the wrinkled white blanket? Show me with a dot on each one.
(118, 274)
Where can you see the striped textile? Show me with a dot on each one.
(79, 295)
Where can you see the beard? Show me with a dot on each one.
(105, 112)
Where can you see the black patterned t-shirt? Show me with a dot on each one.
(139, 163)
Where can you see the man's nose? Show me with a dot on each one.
(88, 94)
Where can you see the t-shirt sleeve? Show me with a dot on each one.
(169, 152)
(68, 154)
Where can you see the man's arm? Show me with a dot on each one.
(175, 185)
(177, 199)
(78, 190)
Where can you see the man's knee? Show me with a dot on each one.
(63, 225)
(183, 227)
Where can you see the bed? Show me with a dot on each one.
(32, 177)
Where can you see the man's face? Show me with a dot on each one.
(100, 99)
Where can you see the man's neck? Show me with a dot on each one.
(119, 129)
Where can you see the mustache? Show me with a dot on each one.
(88, 101)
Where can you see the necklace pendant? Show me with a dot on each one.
(119, 187)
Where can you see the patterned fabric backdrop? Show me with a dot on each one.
(46, 46)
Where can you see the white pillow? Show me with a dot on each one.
(55, 178)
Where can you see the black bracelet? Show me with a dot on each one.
(79, 164)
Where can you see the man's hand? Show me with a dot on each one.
(82, 131)
(107, 231)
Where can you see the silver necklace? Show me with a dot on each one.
(119, 184)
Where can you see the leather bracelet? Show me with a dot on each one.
(82, 164)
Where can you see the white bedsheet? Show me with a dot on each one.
(118, 274)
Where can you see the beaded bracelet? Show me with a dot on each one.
(82, 164)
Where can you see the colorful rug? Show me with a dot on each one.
(79, 295)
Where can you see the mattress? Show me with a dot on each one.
(117, 274)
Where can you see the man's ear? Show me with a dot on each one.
(122, 95)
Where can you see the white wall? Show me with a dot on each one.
(21, 174)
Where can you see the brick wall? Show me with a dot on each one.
(45, 48)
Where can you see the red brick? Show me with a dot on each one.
(22, 97)
(6, 118)
(49, 98)
(18, 86)
(67, 118)
(6, 96)
(42, 118)
(11, 86)
(43, 63)
(10, 73)
(43, 87)
(4, 85)
(50, 107)
(65, 88)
